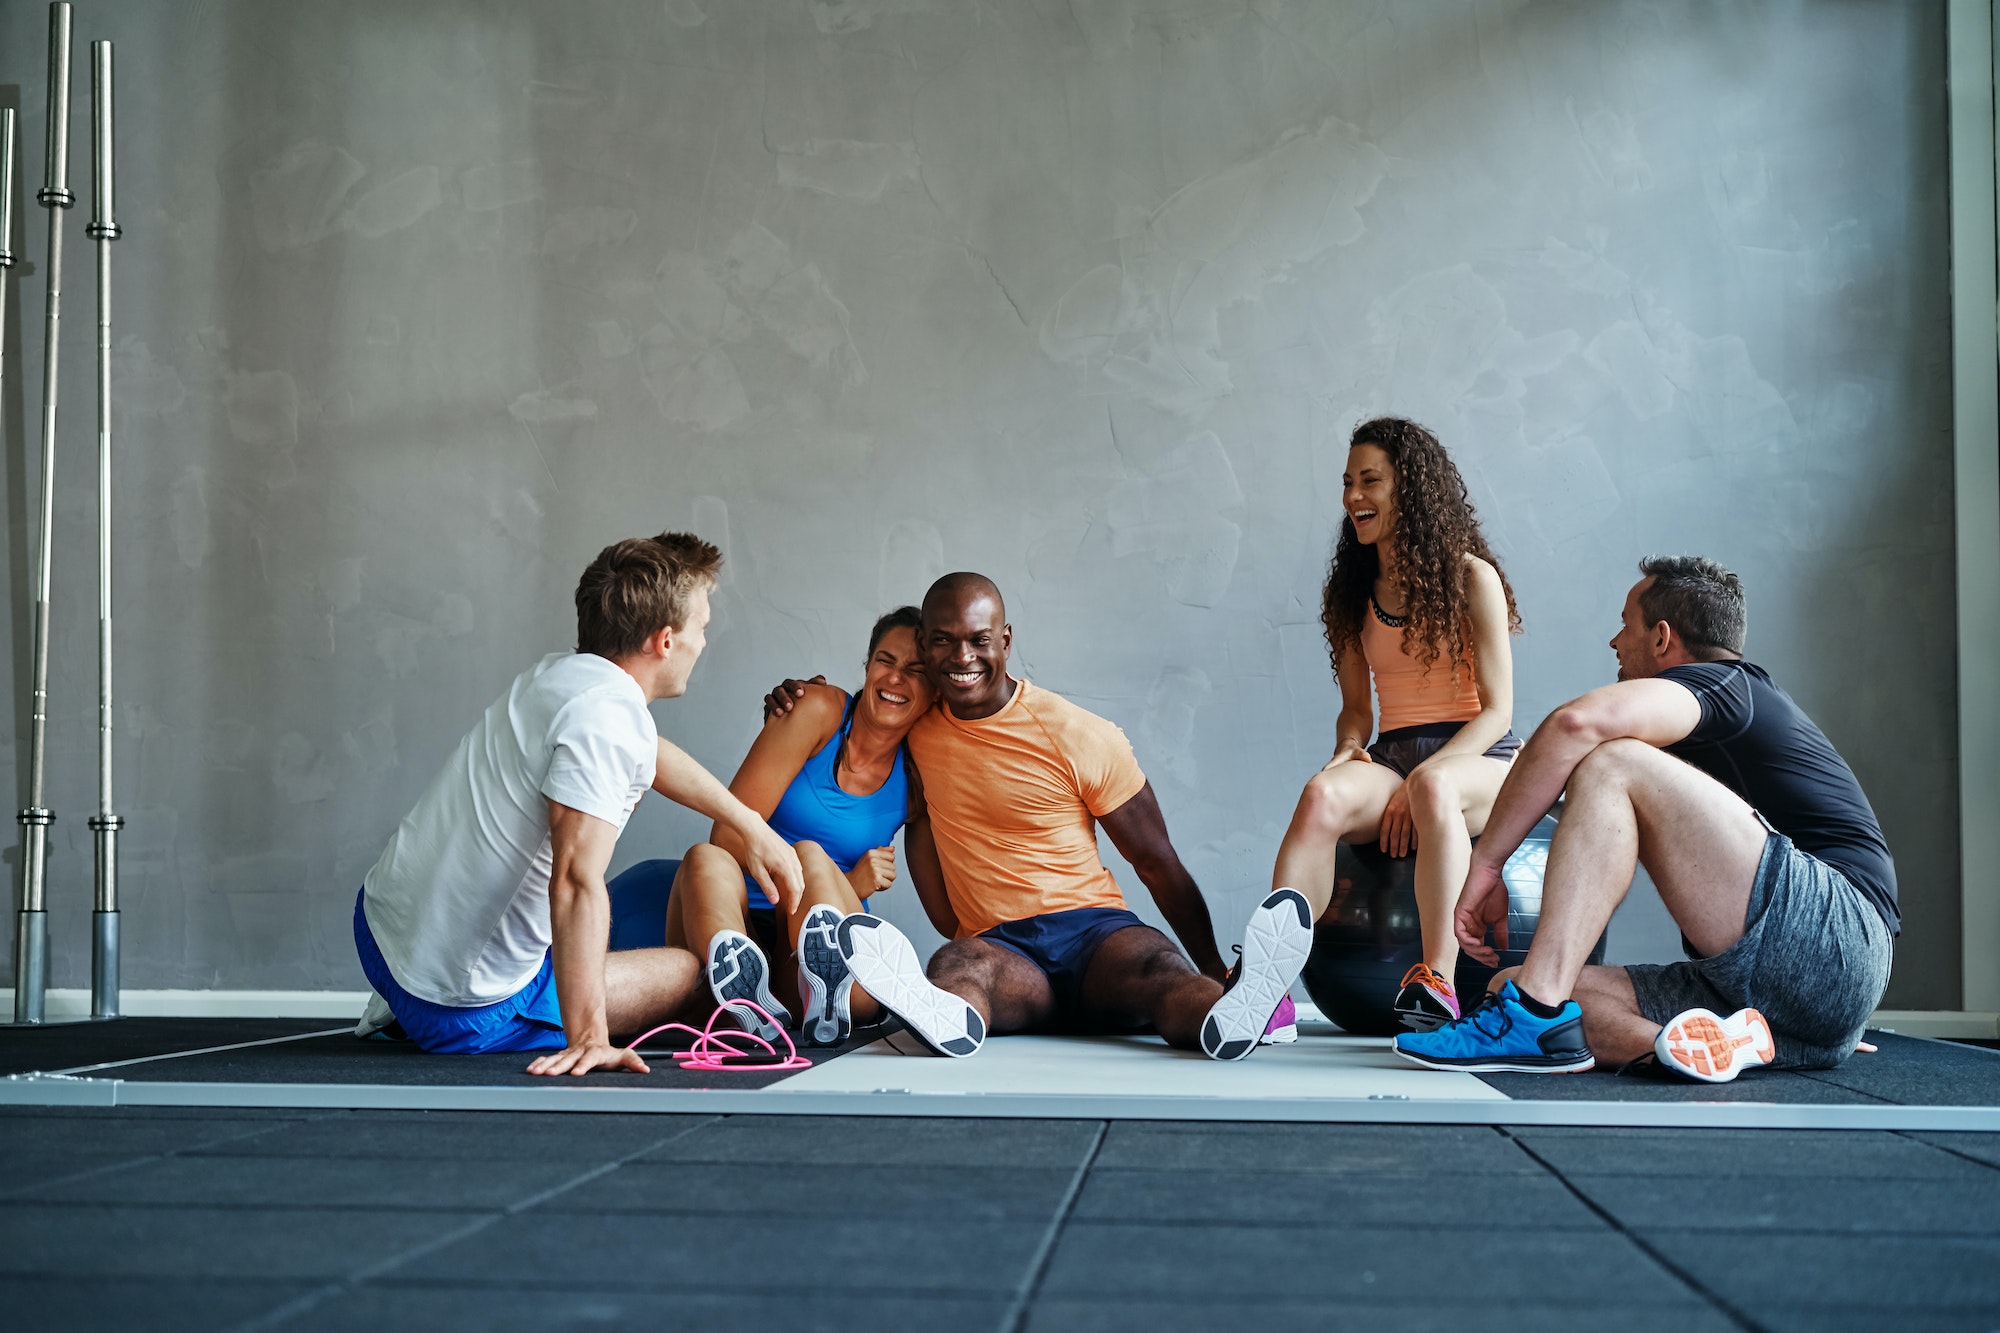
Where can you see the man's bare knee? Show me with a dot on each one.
(960, 960)
(1613, 761)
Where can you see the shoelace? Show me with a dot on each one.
(1492, 1002)
(711, 1045)
(1424, 974)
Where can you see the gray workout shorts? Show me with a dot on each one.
(1814, 959)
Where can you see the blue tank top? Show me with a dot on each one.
(847, 827)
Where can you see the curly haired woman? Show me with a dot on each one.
(1415, 600)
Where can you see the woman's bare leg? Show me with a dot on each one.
(1343, 803)
(1449, 802)
(708, 896)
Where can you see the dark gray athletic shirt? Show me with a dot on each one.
(1755, 741)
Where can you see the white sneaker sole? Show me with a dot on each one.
(826, 983)
(1276, 944)
(884, 963)
(1707, 1047)
(737, 970)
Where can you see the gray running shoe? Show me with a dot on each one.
(825, 980)
(737, 971)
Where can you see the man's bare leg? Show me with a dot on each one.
(1629, 803)
(1010, 993)
(646, 987)
(1139, 976)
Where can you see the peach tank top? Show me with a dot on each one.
(1406, 695)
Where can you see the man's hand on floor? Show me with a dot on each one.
(583, 1059)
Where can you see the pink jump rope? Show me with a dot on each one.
(712, 1051)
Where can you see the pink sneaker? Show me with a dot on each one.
(1283, 1029)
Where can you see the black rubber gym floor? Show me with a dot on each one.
(157, 1220)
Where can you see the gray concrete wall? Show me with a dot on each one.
(422, 304)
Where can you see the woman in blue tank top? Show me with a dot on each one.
(832, 778)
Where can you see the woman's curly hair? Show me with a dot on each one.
(1436, 528)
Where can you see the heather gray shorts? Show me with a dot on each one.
(1814, 959)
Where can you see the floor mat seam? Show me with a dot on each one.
(1727, 1307)
(1016, 1317)
(312, 1300)
(109, 1168)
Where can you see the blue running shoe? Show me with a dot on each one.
(1501, 1035)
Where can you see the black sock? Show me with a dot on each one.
(1535, 1006)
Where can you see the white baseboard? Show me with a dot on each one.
(66, 1005)
(1945, 1023)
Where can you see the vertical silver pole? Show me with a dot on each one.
(104, 824)
(31, 939)
(6, 263)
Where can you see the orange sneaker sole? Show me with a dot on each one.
(1706, 1046)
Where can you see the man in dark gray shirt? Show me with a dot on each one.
(1759, 838)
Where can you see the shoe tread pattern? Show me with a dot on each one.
(736, 971)
(885, 965)
(1276, 944)
(825, 980)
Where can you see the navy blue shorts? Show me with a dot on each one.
(1063, 944)
(529, 1019)
(639, 898)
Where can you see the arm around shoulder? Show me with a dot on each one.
(781, 749)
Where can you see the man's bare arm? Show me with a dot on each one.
(1658, 712)
(927, 875)
(580, 917)
(1139, 831)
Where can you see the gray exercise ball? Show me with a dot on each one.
(1369, 935)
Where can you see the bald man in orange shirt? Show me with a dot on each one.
(1004, 858)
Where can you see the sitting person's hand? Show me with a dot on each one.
(583, 1059)
(1398, 832)
(875, 871)
(1347, 754)
(1482, 904)
(774, 864)
(779, 701)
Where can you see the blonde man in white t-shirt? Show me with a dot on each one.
(484, 925)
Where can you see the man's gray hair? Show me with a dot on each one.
(1700, 599)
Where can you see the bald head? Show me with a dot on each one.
(964, 644)
(954, 593)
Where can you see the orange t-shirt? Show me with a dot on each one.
(1013, 800)
(1408, 695)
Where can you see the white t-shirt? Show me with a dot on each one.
(459, 901)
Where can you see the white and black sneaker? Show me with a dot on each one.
(737, 971)
(1276, 944)
(825, 980)
(884, 964)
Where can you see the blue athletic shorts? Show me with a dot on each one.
(1062, 944)
(529, 1019)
